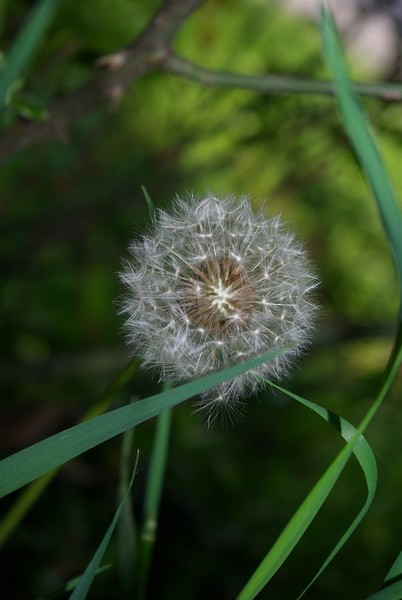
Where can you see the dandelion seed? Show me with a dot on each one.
(215, 283)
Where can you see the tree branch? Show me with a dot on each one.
(106, 87)
(271, 84)
(151, 51)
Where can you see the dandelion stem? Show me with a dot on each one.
(152, 499)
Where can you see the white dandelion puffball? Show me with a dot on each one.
(212, 285)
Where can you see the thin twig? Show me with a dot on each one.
(106, 87)
(272, 84)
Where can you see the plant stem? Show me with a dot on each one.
(152, 499)
(127, 531)
(272, 84)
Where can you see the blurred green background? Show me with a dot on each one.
(69, 209)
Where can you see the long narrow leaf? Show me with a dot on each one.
(306, 512)
(30, 495)
(363, 141)
(367, 462)
(24, 47)
(395, 571)
(32, 462)
(392, 586)
(309, 508)
(85, 581)
(391, 592)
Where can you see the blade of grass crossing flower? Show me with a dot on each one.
(85, 581)
(25, 45)
(126, 527)
(32, 462)
(363, 141)
(30, 495)
(356, 444)
(153, 492)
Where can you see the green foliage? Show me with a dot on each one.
(365, 148)
(68, 210)
(30, 463)
(103, 28)
(83, 585)
(23, 49)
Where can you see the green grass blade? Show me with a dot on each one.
(22, 505)
(363, 141)
(366, 460)
(85, 581)
(153, 492)
(70, 585)
(395, 571)
(391, 592)
(301, 520)
(30, 495)
(391, 589)
(32, 462)
(25, 45)
(309, 508)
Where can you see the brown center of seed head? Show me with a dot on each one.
(218, 297)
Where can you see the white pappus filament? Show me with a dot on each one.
(214, 284)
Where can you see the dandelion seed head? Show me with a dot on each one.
(215, 283)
